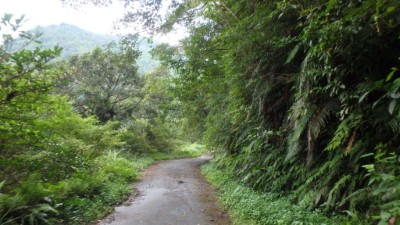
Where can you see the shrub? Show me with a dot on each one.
(247, 206)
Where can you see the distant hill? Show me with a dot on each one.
(75, 40)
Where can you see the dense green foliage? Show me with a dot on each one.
(60, 164)
(104, 82)
(297, 97)
(246, 206)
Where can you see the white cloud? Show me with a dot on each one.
(47, 12)
(92, 18)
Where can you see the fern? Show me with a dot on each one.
(301, 115)
(39, 213)
(325, 168)
(394, 124)
(360, 194)
(334, 192)
(357, 217)
(318, 122)
(343, 131)
(395, 204)
(321, 119)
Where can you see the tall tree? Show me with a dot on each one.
(301, 97)
(25, 80)
(294, 94)
(104, 82)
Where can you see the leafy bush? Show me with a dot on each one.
(184, 150)
(385, 179)
(85, 196)
(247, 206)
(29, 203)
(293, 94)
(57, 166)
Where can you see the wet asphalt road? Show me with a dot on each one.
(171, 193)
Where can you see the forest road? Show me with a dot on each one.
(171, 192)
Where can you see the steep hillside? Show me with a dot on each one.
(75, 40)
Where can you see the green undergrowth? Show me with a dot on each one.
(87, 195)
(186, 150)
(92, 195)
(247, 206)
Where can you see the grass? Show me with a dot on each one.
(84, 196)
(247, 206)
(92, 196)
(186, 150)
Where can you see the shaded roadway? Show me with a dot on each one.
(171, 193)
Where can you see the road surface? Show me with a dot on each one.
(171, 193)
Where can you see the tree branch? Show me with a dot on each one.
(229, 10)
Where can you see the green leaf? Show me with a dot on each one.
(19, 20)
(7, 18)
(390, 75)
(330, 5)
(363, 96)
(367, 155)
(390, 9)
(369, 167)
(391, 106)
(395, 95)
(292, 54)
(385, 215)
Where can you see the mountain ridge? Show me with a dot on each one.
(75, 40)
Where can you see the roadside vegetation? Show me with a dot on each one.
(75, 133)
(184, 150)
(247, 206)
(298, 100)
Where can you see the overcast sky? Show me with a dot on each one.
(46, 12)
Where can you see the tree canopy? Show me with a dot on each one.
(74, 133)
(104, 82)
(299, 97)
